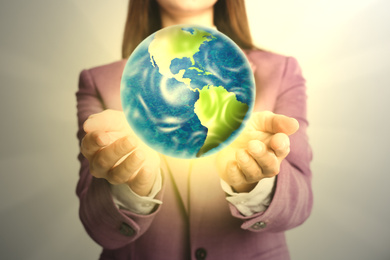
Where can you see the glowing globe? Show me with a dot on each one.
(187, 91)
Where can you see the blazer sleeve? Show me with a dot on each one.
(109, 226)
(292, 201)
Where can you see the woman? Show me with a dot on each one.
(138, 204)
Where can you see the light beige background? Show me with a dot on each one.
(342, 46)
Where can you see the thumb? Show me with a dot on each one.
(267, 121)
(144, 180)
(107, 120)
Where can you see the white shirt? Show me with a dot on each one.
(247, 203)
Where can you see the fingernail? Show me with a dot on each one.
(282, 148)
(147, 170)
(255, 147)
(86, 125)
(102, 140)
(243, 156)
(233, 167)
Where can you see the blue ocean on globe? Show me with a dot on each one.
(187, 91)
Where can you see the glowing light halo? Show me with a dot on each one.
(207, 117)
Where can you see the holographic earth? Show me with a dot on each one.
(187, 91)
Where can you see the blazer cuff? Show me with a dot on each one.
(125, 198)
(103, 220)
(255, 201)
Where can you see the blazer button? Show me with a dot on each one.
(259, 225)
(126, 230)
(200, 254)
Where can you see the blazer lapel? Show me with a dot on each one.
(179, 171)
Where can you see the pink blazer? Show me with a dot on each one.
(196, 221)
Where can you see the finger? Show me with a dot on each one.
(93, 142)
(248, 166)
(233, 174)
(273, 123)
(247, 135)
(107, 120)
(143, 181)
(126, 169)
(280, 144)
(256, 148)
(106, 158)
(266, 159)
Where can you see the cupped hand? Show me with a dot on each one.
(116, 154)
(258, 152)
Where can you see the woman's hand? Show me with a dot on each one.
(258, 151)
(116, 154)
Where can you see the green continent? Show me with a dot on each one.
(222, 114)
(171, 43)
